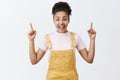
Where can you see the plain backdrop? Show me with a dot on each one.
(15, 16)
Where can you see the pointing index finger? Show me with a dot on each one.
(31, 26)
(91, 25)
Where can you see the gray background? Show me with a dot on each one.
(15, 16)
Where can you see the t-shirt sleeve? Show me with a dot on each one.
(43, 44)
(79, 43)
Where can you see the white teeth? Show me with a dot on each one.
(61, 27)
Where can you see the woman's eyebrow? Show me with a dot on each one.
(57, 17)
(62, 17)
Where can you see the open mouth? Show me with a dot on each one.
(61, 27)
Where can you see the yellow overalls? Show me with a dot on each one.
(62, 64)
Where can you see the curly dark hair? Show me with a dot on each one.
(61, 6)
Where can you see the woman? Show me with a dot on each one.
(62, 45)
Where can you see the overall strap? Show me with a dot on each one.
(49, 44)
(72, 35)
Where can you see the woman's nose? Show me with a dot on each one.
(61, 22)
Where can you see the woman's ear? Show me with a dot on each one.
(68, 19)
(53, 20)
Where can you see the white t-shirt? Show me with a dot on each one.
(62, 41)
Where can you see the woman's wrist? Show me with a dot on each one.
(92, 38)
(31, 40)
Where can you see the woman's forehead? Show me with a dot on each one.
(61, 14)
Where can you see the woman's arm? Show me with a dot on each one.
(35, 57)
(89, 55)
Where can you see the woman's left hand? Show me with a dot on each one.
(91, 32)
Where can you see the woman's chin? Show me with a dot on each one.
(62, 31)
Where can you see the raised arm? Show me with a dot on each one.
(35, 57)
(88, 55)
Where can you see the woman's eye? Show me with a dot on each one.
(64, 19)
(57, 19)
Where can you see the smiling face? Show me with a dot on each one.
(61, 20)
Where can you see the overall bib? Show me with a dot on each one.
(62, 64)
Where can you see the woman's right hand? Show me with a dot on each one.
(31, 33)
